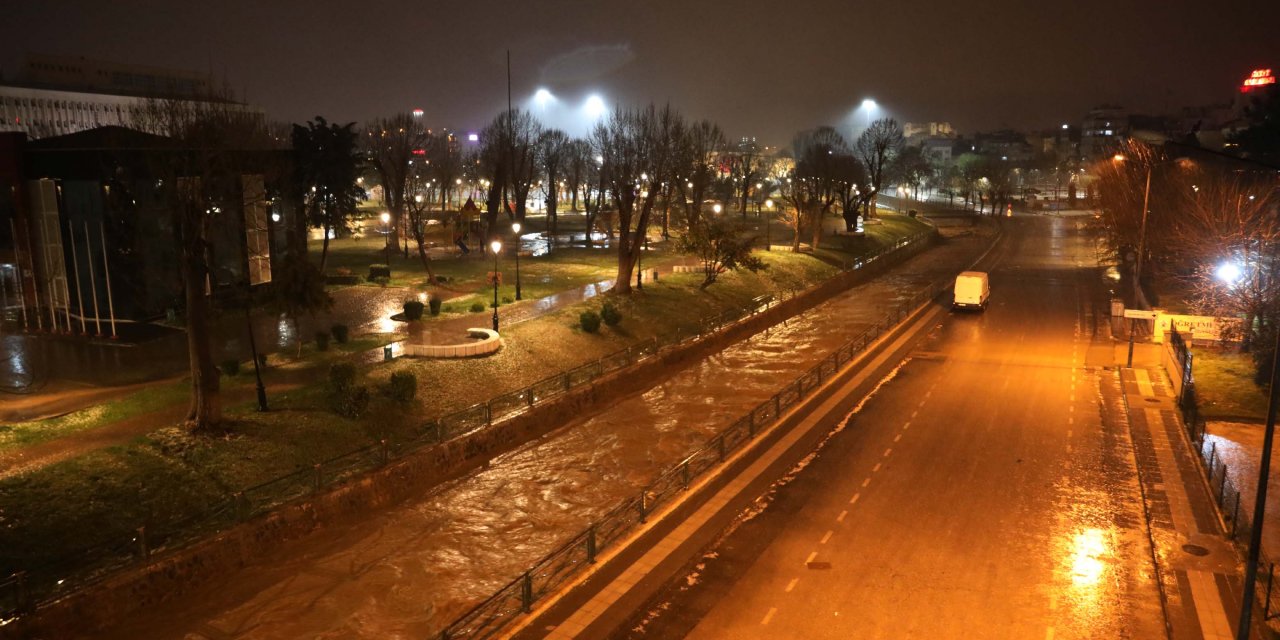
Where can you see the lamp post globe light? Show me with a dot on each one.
(496, 247)
(515, 228)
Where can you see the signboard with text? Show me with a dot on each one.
(1201, 328)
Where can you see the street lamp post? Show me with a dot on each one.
(515, 227)
(386, 237)
(496, 246)
(768, 244)
(1137, 263)
(1260, 500)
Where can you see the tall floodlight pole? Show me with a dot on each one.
(496, 246)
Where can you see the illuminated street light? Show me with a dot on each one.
(496, 247)
(1228, 272)
(594, 107)
(543, 97)
(717, 208)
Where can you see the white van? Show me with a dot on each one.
(971, 291)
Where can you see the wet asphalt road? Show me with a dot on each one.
(977, 495)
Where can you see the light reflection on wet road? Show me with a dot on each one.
(1003, 504)
(407, 572)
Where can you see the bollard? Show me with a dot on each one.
(385, 453)
(720, 446)
(684, 474)
(777, 407)
(644, 499)
(526, 593)
(143, 550)
(317, 476)
(591, 544)
(386, 353)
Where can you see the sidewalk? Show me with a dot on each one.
(1199, 572)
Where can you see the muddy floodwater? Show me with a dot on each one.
(407, 572)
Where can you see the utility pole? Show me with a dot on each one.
(1260, 500)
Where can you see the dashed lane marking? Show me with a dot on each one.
(811, 557)
(875, 469)
(897, 437)
(866, 482)
(840, 518)
(769, 616)
(855, 497)
(888, 451)
(826, 537)
(791, 585)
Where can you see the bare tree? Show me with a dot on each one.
(721, 247)
(876, 148)
(637, 146)
(392, 145)
(697, 157)
(747, 165)
(444, 160)
(554, 154)
(200, 180)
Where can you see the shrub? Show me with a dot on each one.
(477, 307)
(413, 310)
(340, 333)
(230, 367)
(610, 314)
(379, 271)
(345, 397)
(322, 341)
(507, 300)
(403, 386)
(590, 321)
(434, 303)
(342, 376)
(351, 403)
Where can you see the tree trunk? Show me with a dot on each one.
(205, 412)
(817, 228)
(324, 248)
(426, 260)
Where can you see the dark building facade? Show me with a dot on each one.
(91, 226)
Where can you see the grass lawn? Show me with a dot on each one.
(170, 476)
(1224, 385)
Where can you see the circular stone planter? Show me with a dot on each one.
(488, 342)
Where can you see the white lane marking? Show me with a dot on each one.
(769, 616)
(1053, 601)
(791, 585)
(826, 537)
(888, 451)
(1071, 408)
(840, 518)
(906, 426)
(1068, 433)
(866, 482)
(1071, 419)
(921, 404)
(1073, 397)
(914, 414)
(855, 497)
(875, 469)
(1048, 634)
(811, 557)
(897, 437)
(927, 394)
(1068, 447)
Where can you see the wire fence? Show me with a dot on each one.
(489, 617)
(1226, 495)
(27, 588)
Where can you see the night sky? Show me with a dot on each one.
(758, 68)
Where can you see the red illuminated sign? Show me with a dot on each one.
(1258, 78)
(419, 152)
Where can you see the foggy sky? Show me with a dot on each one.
(763, 69)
